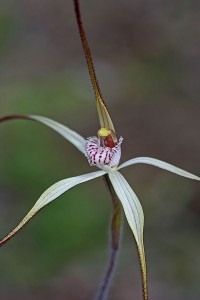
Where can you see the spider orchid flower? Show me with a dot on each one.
(104, 152)
(106, 158)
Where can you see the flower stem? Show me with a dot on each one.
(103, 292)
(115, 229)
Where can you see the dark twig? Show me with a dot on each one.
(115, 242)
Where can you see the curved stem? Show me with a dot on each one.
(103, 292)
(87, 52)
(104, 116)
(115, 231)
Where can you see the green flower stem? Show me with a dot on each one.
(115, 229)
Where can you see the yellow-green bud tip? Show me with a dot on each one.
(104, 131)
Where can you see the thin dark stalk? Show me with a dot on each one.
(116, 217)
(103, 291)
(88, 56)
(115, 231)
(86, 49)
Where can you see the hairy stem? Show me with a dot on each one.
(104, 116)
(87, 52)
(104, 288)
(143, 275)
(115, 231)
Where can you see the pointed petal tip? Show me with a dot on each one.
(11, 234)
(135, 217)
(160, 164)
(14, 117)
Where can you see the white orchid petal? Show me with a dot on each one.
(76, 139)
(131, 204)
(49, 195)
(135, 217)
(160, 164)
(132, 207)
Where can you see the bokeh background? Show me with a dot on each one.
(147, 57)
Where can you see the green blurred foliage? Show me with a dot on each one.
(6, 28)
(150, 81)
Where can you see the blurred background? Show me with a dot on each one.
(147, 58)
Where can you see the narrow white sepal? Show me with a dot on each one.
(160, 164)
(51, 194)
(131, 205)
(62, 186)
(135, 217)
(76, 139)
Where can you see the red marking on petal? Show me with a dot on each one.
(98, 155)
